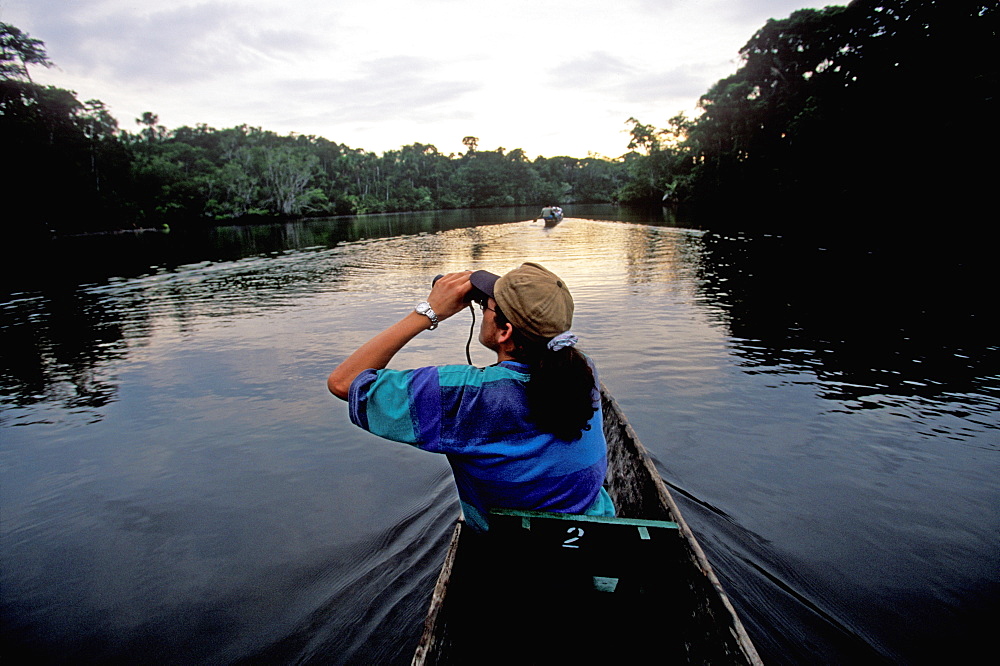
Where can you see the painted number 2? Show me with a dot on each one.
(574, 535)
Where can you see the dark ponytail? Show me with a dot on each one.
(561, 391)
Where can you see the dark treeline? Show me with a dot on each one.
(880, 101)
(70, 167)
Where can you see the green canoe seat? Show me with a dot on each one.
(605, 554)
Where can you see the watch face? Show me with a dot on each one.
(425, 309)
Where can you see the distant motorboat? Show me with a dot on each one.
(552, 215)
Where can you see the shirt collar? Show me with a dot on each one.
(515, 365)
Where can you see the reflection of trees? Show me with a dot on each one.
(59, 336)
(638, 214)
(96, 258)
(882, 318)
(55, 348)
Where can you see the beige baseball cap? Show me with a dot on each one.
(535, 300)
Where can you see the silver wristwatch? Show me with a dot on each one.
(425, 309)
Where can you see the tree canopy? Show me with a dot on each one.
(879, 102)
(885, 101)
(108, 177)
(17, 51)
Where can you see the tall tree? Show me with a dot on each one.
(17, 51)
(836, 104)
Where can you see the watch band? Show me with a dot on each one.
(425, 308)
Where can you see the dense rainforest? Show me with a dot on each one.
(883, 105)
(880, 103)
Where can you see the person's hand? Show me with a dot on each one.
(450, 294)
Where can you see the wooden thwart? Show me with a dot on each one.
(575, 518)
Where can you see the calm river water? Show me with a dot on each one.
(178, 487)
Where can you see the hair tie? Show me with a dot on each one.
(566, 339)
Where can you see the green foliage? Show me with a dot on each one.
(652, 177)
(573, 180)
(17, 51)
(849, 104)
(498, 179)
(105, 177)
(156, 177)
(863, 105)
(61, 155)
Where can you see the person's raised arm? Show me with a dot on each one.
(446, 298)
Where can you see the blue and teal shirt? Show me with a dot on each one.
(478, 417)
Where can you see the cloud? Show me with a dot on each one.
(183, 43)
(611, 77)
(757, 12)
(598, 68)
(382, 73)
(385, 89)
(383, 103)
(684, 82)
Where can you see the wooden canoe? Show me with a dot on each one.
(639, 587)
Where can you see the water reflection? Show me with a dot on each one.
(868, 320)
(55, 348)
(177, 463)
(60, 330)
(865, 320)
(99, 257)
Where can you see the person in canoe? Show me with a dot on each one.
(550, 214)
(524, 433)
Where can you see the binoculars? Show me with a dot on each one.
(475, 294)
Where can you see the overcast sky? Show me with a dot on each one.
(553, 77)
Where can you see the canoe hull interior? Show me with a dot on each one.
(517, 596)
